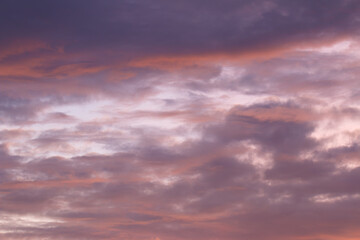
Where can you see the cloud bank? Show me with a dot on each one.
(169, 120)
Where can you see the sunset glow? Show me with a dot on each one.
(179, 120)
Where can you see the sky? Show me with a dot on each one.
(179, 119)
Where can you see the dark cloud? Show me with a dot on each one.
(274, 126)
(303, 170)
(162, 27)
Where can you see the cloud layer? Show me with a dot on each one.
(169, 120)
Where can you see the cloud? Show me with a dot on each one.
(179, 120)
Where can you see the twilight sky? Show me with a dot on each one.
(179, 120)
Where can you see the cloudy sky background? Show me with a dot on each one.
(173, 120)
